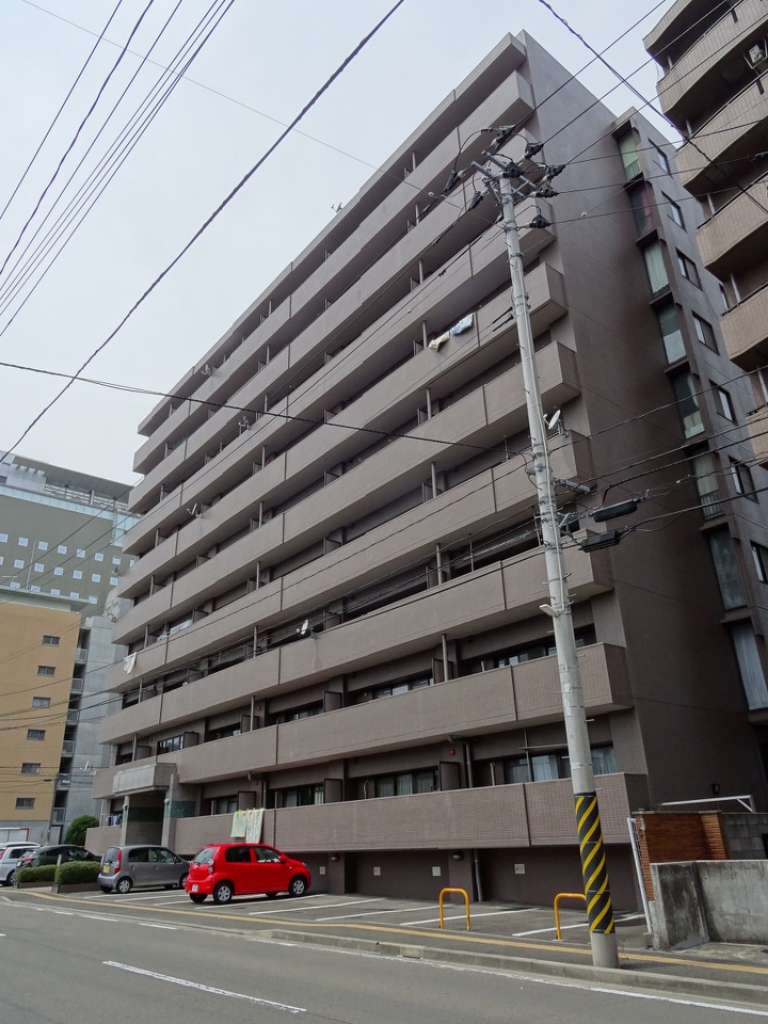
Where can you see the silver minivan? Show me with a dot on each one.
(124, 867)
(9, 857)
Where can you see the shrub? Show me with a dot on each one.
(76, 831)
(45, 873)
(75, 872)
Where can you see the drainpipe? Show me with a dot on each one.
(471, 785)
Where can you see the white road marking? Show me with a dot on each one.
(99, 917)
(463, 917)
(165, 927)
(540, 931)
(64, 913)
(369, 913)
(205, 988)
(328, 906)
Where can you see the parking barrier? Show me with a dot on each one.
(465, 894)
(565, 896)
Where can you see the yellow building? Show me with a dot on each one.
(38, 644)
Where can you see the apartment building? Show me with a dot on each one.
(339, 575)
(38, 641)
(61, 534)
(714, 58)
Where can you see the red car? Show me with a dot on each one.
(244, 869)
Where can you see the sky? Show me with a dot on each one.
(261, 64)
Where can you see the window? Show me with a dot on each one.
(58, 571)
(704, 332)
(99, 557)
(77, 574)
(604, 760)
(3, 538)
(224, 805)
(706, 484)
(34, 589)
(81, 553)
(642, 209)
(15, 585)
(671, 335)
(41, 702)
(55, 592)
(25, 803)
(74, 596)
(724, 406)
(62, 549)
(171, 743)
(115, 560)
(760, 555)
(750, 665)
(405, 686)
(30, 768)
(96, 578)
(742, 480)
(688, 405)
(113, 581)
(727, 568)
(42, 545)
(628, 150)
(661, 159)
(407, 783)
(655, 268)
(688, 269)
(92, 599)
(46, 670)
(51, 641)
(35, 734)
(23, 542)
(555, 765)
(674, 211)
(238, 855)
(724, 298)
(39, 567)
(161, 857)
(304, 796)
(132, 563)
(1, 559)
(18, 563)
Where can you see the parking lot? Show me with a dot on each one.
(329, 911)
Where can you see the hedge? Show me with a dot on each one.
(75, 872)
(45, 873)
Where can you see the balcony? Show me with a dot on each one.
(68, 748)
(99, 840)
(683, 17)
(745, 330)
(703, 77)
(733, 133)
(58, 815)
(757, 428)
(142, 776)
(519, 816)
(737, 235)
(81, 655)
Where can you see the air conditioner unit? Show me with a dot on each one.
(757, 54)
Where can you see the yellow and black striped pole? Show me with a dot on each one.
(593, 867)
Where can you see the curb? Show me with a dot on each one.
(624, 978)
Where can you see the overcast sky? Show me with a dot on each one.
(259, 67)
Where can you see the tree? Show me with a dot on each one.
(78, 828)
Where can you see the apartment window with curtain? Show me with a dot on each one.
(760, 555)
(727, 569)
(407, 783)
(671, 335)
(656, 268)
(629, 158)
(641, 201)
(750, 665)
(704, 332)
(688, 269)
(688, 404)
(705, 474)
(742, 479)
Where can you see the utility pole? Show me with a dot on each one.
(592, 851)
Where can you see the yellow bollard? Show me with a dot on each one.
(565, 896)
(465, 894)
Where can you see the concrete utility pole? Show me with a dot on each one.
(599, 910)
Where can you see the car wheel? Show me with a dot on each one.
(10, 880)
(197, 897)
(124, 885)
(298, 886)
(223, 892)
(183, 880)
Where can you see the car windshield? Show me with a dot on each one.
(205, 856)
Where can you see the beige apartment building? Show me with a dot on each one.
(714, 58)
(38, 644)
(339, 578)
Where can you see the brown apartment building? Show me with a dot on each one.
(336, 600)
(714, 59)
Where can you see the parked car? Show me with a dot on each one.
(244, 869)
(50, 855)
(10, 854)
(124, 867)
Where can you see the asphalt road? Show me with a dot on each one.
(61, 966)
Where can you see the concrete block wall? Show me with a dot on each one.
(747, 835)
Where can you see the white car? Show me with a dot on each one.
(9, 855)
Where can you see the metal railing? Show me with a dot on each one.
(465, 894)
(564, 896)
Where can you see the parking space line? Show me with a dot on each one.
(165, 927)
(368, 913)
(327, 906)
(463, 917)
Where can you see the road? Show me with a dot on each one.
(59, 966)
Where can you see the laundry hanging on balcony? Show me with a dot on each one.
(247, 825)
